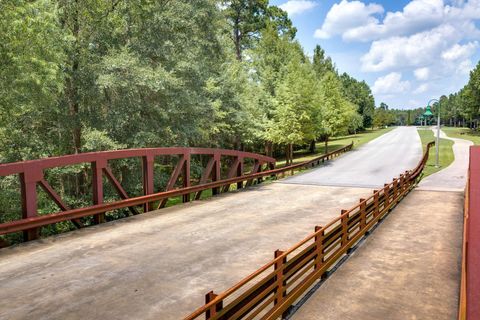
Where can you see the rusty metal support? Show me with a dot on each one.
(118, 187)
(97, 186)
(28, 186)
(216, 172)
(147, 175)
(179, 169)
(186, 176)
(58, 201)
(207, 172)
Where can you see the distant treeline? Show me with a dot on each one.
(79, 76)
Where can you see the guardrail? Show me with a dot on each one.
(469, 308)
(31, 174)
(271, 290)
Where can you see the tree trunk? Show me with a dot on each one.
(268, 148)
(312, 146)
(287, 154)
(237, 39)
(290, 152)
(326, 144)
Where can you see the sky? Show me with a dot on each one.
(407, 51)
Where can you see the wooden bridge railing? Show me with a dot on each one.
(31, 175)
(269, 292)
(469, 306)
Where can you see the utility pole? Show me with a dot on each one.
(437, 140)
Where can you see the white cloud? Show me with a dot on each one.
(417, 50)
(422, 73)
(346, 15)
(356, 21)
(464, 67)
(418, 15)
(293, 7)
(391, 83)
(458, 51)
(421, 88)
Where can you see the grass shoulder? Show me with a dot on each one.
(463, 133)
(446, 155)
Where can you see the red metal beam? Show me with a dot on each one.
(58, 201)
(473, 238)
(34, 221)
(118, 187)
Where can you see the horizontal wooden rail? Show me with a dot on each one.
(271, 290)
(35, 222)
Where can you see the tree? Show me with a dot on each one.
(336, 110)
(321, 63)
(247, 18)
(359, 93)
(297, 107)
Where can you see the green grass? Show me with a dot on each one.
(446, 152)
(337, 143)
(463, 133)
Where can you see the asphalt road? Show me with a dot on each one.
(371, 165)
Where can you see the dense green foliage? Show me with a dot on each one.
(78, 76)
(463, 108)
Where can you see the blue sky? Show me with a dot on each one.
(407, 51)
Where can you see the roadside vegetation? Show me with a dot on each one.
(463, 133)
(446, 152)
(82, 76)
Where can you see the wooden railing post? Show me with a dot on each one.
(363, 214)
(319, 248)
(344, 221)
(395, 189)
(402, 184)
(376, 204)
(212, 312)
(386, 195)
(279, 266)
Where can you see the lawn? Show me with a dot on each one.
(446, 152)
(463, 133)
(336, 143)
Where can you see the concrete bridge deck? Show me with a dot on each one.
(410, 267)
(159, 265)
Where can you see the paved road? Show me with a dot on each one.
(371, 165)
(454, 177)
(408, 268)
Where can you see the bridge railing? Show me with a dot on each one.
(31, 174)
(269, 292)
(469, 307)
